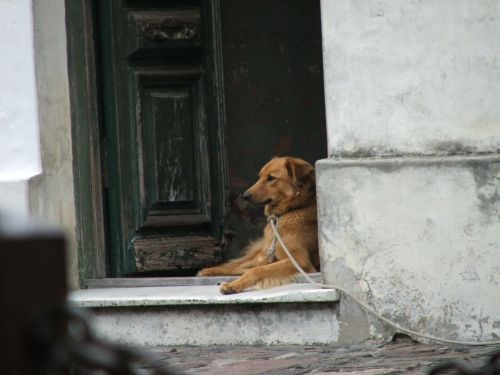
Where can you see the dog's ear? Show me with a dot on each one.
(300, 172)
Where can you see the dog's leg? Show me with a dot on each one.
(280, 270)
(235, 267)
(227, 269)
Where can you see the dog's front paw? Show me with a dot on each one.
(229, 288)
(206, 272)
(200, 273)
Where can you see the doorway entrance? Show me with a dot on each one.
(192, 98)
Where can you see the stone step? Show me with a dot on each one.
(127, 282)
(294, 314)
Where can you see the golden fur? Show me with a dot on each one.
(287, 188)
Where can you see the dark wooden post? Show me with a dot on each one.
(32, 280)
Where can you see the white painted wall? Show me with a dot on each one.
(19, 140)
(51, 193)
(420, 76)
(36, 171)
(418, 238)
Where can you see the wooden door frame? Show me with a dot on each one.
(86, 130)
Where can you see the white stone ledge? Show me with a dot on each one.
(407, 160)
(198, 295)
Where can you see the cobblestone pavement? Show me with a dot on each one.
(402, 357)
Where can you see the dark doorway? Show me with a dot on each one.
(274, 98)
(153, 158)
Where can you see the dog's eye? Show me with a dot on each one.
(271, 178)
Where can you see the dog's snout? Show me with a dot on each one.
(247, 195)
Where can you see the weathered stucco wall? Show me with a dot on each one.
(418, 76)
(418, 237)
(36, 177)
(51, 193)
(19, 150)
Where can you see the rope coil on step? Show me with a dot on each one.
(272, 220)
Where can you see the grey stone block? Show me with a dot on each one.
(418, 239)
(295, 314)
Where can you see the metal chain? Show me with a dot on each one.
(61, 342)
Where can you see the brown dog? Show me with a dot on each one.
(287, 188)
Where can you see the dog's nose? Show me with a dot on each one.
(247, 195)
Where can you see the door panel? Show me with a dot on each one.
(165, 194)
(174, 149)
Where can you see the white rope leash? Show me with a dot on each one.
(273, 219)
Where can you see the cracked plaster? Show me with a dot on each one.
(409, 208)
(419, 77)
(416, 243)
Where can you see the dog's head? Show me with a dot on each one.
(284, 184)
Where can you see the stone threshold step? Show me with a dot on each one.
(128, 282)
(198, 295)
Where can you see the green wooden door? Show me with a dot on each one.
(162, 131)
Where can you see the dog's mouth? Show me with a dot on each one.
(264, 202)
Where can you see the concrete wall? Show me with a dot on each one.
(405, 224)
(19, 143)
(418, 238)
(36, 177)
(51, 193)
(411, 77)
